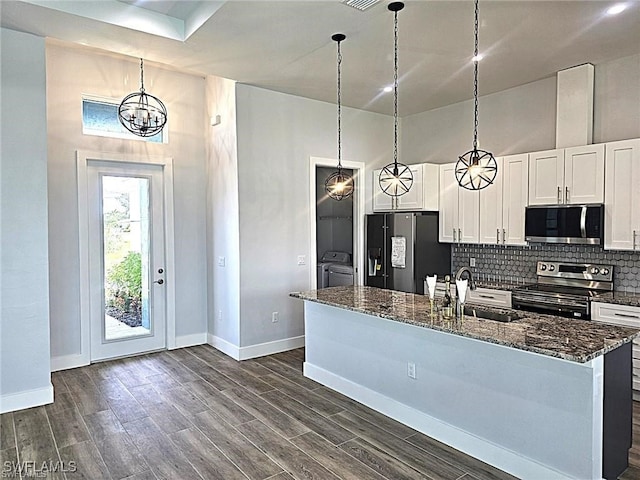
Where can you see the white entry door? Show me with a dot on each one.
(126, 242)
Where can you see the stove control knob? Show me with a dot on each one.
(543, 267)
(594, 270)
(552, 268)
(604, 271)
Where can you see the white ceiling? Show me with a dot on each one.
(286, 45)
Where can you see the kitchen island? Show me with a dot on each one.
(540, 397)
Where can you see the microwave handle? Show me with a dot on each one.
(583, 222)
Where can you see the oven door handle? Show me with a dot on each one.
(583, 222)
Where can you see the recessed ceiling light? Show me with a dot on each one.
(616, 9)
(387, 89)
(477, 58)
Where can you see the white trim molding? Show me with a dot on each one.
(27, 399)
(83, 158)
(183, 341)
(258, 350)
(65, 362)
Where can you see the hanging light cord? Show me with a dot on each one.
(339, 110)
(395, 91)
(475, 82)
(141, 77)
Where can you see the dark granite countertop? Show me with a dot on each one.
(575, 340)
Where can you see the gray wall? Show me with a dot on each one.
(523, 119)
(222, 213)
(24, 262)
(277, 135)
(72, 72)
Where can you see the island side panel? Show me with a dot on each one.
(532, 415)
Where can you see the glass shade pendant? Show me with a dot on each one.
(339, 184)
(395, 178)
(476, 169)
(140, 113)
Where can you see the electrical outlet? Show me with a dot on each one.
(472, 262)
(275, 316)
(302, 259)
(221, 261)
(411, 370)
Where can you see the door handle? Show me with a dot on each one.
(566, 194)
(459, 235)
(559, 195)
(454, 236)
(504, 235)
(497, 235)
(159, 282)
(634, 240)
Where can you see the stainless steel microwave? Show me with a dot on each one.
(582, 224)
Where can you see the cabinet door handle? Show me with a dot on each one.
(497, 235)
(486, 296)
(559, 195)
(454, 235)
(625, 315)
(566, 194)
(504, 236)
(634, 240)
(459, 235)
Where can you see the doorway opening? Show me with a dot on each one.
(336, 233)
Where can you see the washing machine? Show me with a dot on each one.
(331, 258)
(340, 275)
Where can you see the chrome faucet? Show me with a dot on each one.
(472, 285)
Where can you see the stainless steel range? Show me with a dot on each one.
(565, 289)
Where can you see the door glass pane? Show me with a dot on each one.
(125, 220)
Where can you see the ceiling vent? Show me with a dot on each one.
(361, 5)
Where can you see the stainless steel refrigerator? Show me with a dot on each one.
(403, 248)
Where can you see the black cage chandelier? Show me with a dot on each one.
(339, 184)
(396, 178)
(476, 169)
(140, 113)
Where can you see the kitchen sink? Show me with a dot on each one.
(491, 315)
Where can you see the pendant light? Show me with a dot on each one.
(476, 169)
(140, 113)
(396, 178)
(339, 184)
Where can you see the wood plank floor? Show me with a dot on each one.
(196, 413)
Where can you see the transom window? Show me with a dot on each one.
(100, 117)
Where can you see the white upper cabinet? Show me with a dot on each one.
(622, 195)
(502, 204)
(567, 176)
(514, 198)
(459, 208)
(422, 196)
(448, 217)
(546, 177)
(584, 174)
(491, 209)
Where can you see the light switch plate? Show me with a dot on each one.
(302, 259)
(221, 261)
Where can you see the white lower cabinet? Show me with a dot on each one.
(626, 316)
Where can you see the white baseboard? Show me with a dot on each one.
(28, 399)
(65, 362)
(476, 447)
(258, 350)
(190, 340)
